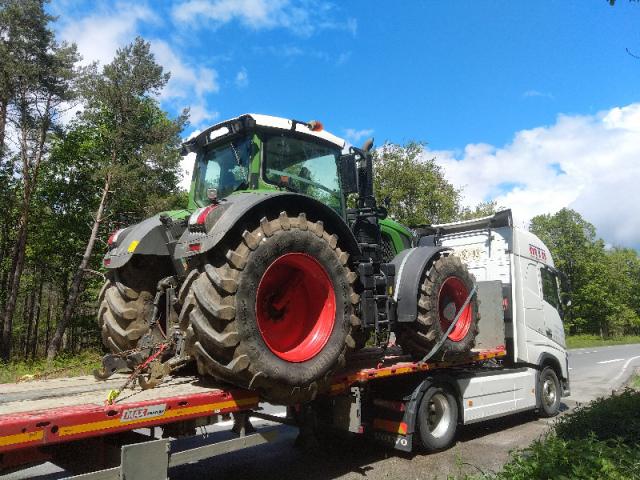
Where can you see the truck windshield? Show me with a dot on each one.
(305, 167)
(222, 170)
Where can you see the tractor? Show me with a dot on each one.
(281, 267)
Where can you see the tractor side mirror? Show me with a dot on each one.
(348, 175)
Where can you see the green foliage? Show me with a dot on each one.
(610, 418)
(586, 340)
(483, 209)
(52, 175)
(65, 365)
(604, 284)
(416, 186)
(585, 459)
(598, 441)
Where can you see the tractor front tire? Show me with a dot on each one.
(276, 313)
(125, 303)
(445, 285)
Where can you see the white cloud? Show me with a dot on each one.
(99, 35)
(242, 78)
(354, 136)
(188, 85)
(302, 18)
(589, 163)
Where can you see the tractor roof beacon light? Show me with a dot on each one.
(315, 126)
(197, 218)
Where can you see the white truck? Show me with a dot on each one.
(519, 363)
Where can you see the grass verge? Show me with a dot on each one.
(598, 441)
(582, 341)
(63, 366)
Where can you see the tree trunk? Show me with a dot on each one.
(24, 341)
(4, 103)
(14, 286)
(74, 292)
(30, 301)
(36, 314)
(47, 329)
(29, 179)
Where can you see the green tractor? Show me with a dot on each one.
(269, 280)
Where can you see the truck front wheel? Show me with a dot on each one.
(437, 418)
(548, 393)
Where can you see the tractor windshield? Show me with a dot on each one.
(305, 167)
(222, 170)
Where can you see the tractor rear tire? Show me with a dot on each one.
(446, 283)
(125, 303)
(276, 313)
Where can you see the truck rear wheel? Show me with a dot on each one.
(444, 289)
(437, 418)
(276, 313)
(125, 302)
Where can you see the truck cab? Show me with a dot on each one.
(495, 250)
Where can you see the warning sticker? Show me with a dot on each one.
(143, 412)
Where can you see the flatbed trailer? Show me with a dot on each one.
(50, 420)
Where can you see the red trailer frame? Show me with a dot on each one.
(22, 435)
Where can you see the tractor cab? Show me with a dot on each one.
(260, 152)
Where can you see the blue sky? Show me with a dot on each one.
(485, 83)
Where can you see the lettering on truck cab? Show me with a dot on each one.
(537, 253)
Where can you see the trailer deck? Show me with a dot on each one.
(44, 413)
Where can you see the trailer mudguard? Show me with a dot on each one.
(410, 265)
(243, 211)
(412, 403)
(145, 238)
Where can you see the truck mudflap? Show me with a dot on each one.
(392, 425)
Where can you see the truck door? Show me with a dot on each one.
(532, 299)
(551, 306)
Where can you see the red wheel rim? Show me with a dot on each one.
(454, 292)
(295, 307)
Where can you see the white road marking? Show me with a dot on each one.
(623, 369)
(611, 361)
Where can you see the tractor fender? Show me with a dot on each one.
(145, 238)
(410, 265)
(243, 211)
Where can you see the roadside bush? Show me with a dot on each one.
(586, 459)
(613, 417)
(600, 440)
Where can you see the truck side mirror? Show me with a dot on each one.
(348, 175)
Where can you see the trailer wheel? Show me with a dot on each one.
(437, 418)
(548, 393)
(276, 313)
(446, 283)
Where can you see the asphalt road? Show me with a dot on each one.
(480, 447)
